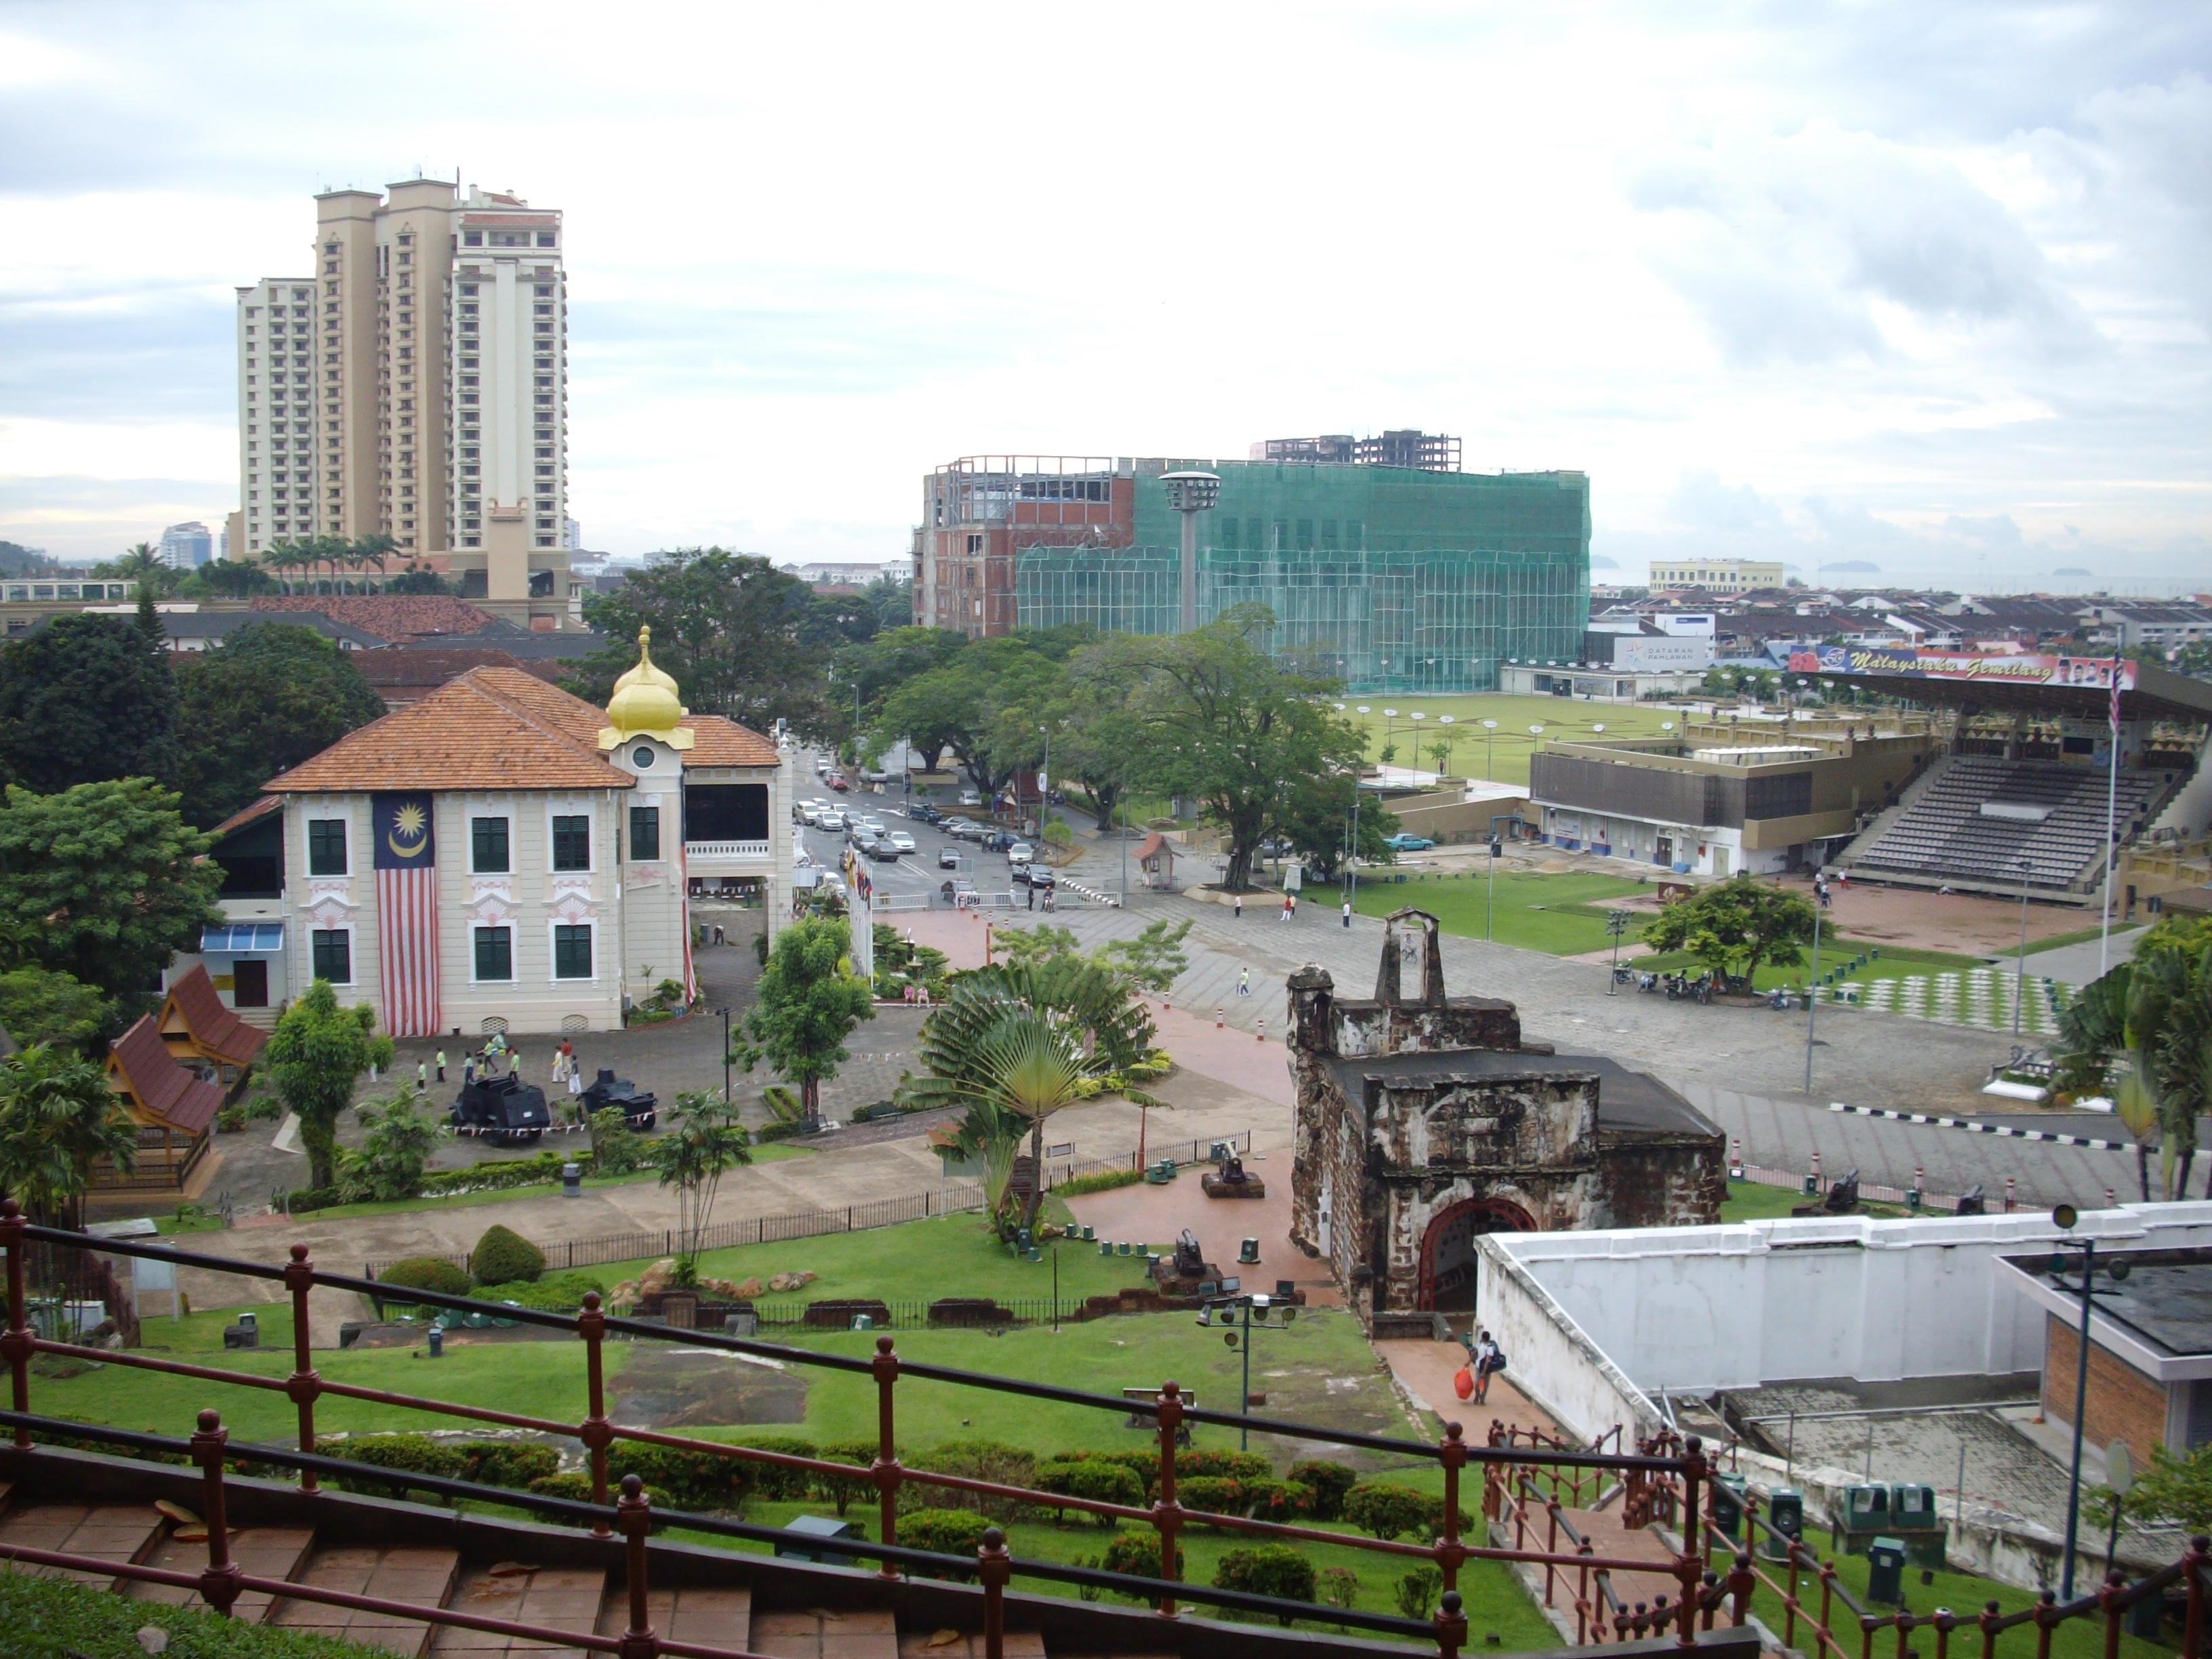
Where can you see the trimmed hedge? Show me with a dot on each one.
(973, 1460)
(1138, 1553)
(542, 1169)
(1097, 1183)
(503, 1256)
(773, 1480)
(1286, 1502)
(842, 1490)
(576, 1485)
(1330, 1480)
(1267, 1570)
(491, 1462)
(1236, 1466)
(562, 1293)
(691, 1480)
(1094, 1478)
(425, 1273)
(949, 1532)
(1387, 1511)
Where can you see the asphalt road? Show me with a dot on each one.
(913, 875)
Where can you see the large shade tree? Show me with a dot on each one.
(103, 881)
(1736, 926)
(270, 696)
(84, 699)
(810, 1000)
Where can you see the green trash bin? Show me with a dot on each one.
(1727, 1505)
(1785, 1515)
(1886, 1571)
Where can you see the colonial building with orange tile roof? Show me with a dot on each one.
(499, 855)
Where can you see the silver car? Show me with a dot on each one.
(901, 840)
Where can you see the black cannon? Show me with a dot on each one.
(503, 1109)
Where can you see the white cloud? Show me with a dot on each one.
(1919, 264)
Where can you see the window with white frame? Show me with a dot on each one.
(572, 950)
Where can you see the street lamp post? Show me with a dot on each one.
(725, 1013)
(1489, 730)
(1190, 493)
(1616, 923)
(1812, 996)
(1235, 1312)
(2020, 975)
(2065, 1216)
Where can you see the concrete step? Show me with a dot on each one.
(956, 1645)
(711, 1617)
(566, 1598)
(818, 1633)
(262, 1551)
(108, 1532)
(396, 1573)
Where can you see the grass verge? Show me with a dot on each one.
(55, 1618)
(1561, 915)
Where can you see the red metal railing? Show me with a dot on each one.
(1681, 1475)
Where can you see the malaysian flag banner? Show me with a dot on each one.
(407, 912)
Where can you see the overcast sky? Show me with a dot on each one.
(1924, 286)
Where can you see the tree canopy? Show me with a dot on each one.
(2144, 1032)
(315, 1055)
(57, 1117)
(86, 698)
(809, 1002)
(104, 881)
(1733, 927)
(39, 1005)
(727, 625)
(269, 697)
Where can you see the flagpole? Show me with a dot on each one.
(2111, 827)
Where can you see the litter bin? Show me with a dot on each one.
(1727, 1505)
(1862, 1517)
(1886, 1571)
(808, 1532)
(1785, 1516)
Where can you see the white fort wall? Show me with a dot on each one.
(1595, 1324)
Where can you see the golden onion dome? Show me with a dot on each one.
(646, 699)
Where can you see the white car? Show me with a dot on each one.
(900, 839)
(1020, 853)
(970, 797)
(873, 826)
(829, 818)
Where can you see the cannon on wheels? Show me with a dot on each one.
(1230, 1180)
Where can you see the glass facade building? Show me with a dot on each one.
(1396, 580)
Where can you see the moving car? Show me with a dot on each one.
(901, 840)
(964, 828)
(948, 858)
(970, 797)
(1020, 853)
(837, 781)
(1405, 841)
(1033, 875)
(922, 813)
(874, 826)
(881, 848)
(636, 1105)
(504, 1109)
(829, 818)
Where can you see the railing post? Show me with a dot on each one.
(1945, 1622)
(1167, 1514)
(1691, 1568)
(1988, 1621)
(994, 1565)
(597, 1433)
(2046, 1620)
(219, 1585)
(1741, 1581)
(303, 1385)
(1451, 1626)
(634, 1514)
(1449, 1551)
(2192, 1575)
(2108, 1600)
(885, 1471)
(15, 1346)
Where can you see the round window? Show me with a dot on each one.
(641, 756)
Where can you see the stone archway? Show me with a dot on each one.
(1447, 1276)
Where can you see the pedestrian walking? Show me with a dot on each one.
(422, 1075)
(1244, 982)
(442, 1065)
(718, 932)
(1294, 907)
(1348, 913)
(514, 1064)
(1486, 1362)
(1240, 906)
(468, 1071)
(569, 1055)
(1286, 908)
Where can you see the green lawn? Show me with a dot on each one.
(1505, 759)
(1965, 1594)
(774, 1151)
(50, 1618)
(1562, 914)
(1893, 962)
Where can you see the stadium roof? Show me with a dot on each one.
(2158, 693)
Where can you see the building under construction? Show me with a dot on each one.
(1377, 556)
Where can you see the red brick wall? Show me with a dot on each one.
(2123, 1403)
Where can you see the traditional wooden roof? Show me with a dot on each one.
(261, 809)
(1154, 844)
(406, 674)
(497, 728)
(158, 1093)
(194, 1019)
(492, 728)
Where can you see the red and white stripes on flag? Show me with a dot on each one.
(407, 943)
(2116, 705)
(407, 912)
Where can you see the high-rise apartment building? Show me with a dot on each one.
(414, 385)
(187, 546)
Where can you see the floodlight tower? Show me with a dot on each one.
(1191, 494)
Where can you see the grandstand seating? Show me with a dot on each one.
(1943, 834)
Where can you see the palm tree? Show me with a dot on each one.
(141, 562)
(2148, 1025)
(281, 558)
(705, 1141)
(58, 1118)
(377, 550)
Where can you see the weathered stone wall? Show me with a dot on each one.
(1659, 1182)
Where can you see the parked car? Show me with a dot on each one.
(948, 858)
(829, 818)
(636, 1105)
(970, 797)
(1033, 875)
(1407, 842)
(922, 813)
(998, 840)
(504, 1109)
(964, 828)
(1020, 853)
(901, 840)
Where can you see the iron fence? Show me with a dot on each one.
(1682, 1478)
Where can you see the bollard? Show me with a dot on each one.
(1218, 1020)
(2009, 1187)
(2108, 1197)
(1261, 1035)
